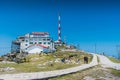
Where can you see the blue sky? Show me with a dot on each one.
(83, 22)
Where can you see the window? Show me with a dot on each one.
(44, 42)
(48, 39)
(44, 39)
(39, 39)
(48, 42)
(26, 40)
(26, 44)
(35, 39)
(40, 42)
(31, 39)
(31, 42)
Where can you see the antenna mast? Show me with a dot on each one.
(59, 28)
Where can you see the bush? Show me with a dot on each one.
(1, 59)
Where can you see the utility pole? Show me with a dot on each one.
(59, 28)
(65, 40)
(95, 47)
(78, 46)
(118, 50)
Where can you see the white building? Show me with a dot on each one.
(34, 42)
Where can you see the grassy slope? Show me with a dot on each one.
(115, 72)
(32, 66)
(114, 60)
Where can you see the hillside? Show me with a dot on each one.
(45, 62)
(100, 68)
(99, 72)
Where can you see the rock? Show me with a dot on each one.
(51, 61)
(67, 61)
(11, 69)
(7, 69)
(46, 63)
(57, 60)
(54, 56)
(7, 62)
(34, 59)
(40, 65)
(73, 62)
(89, 78)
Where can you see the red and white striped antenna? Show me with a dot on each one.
(59, 28)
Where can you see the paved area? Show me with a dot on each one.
(105, 62)
(48, 74)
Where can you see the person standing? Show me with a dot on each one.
(86, 59)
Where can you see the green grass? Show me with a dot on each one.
(60, 47)
(32, 65)
(115, 72)
(114, 60)
(80, 55)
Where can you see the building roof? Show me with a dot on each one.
(40, 33)
(21, 37)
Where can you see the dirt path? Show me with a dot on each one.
(105, 62)
(95, 73)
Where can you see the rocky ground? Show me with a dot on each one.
(99, 73)
(95, 73)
